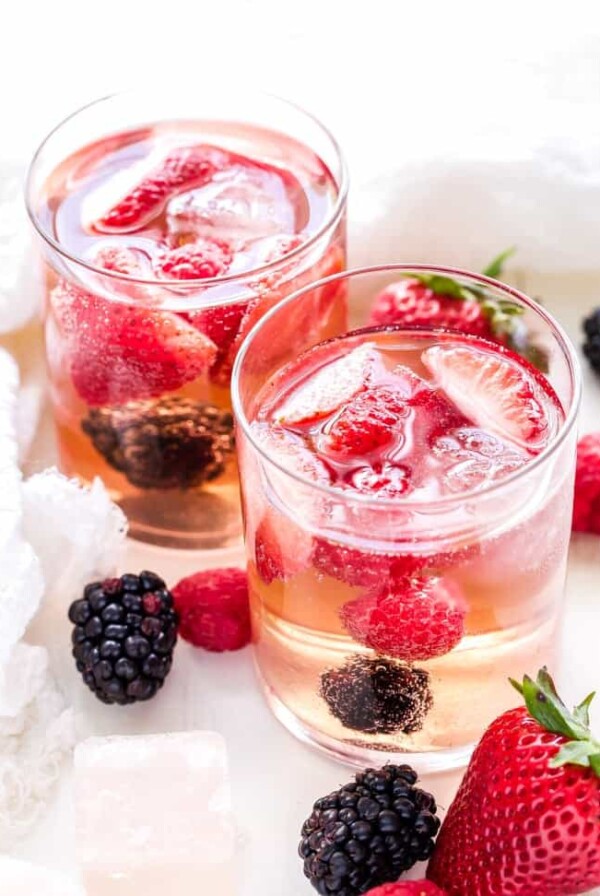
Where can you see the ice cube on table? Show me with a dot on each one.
(240, 203)
(24, 879)
(153, 815)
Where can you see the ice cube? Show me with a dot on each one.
(241, 203)
(23, 878)
(473, 459)
(154, 810)
(77, 533)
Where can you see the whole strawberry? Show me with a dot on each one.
(526, 818)
(441, 302)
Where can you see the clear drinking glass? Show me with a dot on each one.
(315, 549)
(170, 221)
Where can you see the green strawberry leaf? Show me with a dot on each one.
(547, 708)
(582, 711)
(496, 266)
(576, 752)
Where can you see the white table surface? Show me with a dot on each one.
(275, 779)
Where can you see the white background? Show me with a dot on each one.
(399, 82)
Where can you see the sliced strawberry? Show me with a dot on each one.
(370, 420)
(493, 390)
(412, 619)
(329, 388)
(199, 260)
(182, 169)
(123, 352)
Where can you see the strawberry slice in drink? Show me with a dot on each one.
(495, 391)
(331, 387)
(120, 353)
(182, 169)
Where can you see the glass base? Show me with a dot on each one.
(193, 522)
(361, 757)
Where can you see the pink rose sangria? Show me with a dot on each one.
(408, 500)
(169, 225)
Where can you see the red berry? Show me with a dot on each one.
(182, 169)
(369, 421)
(407, 888)
(494, 391)
(118, 259)
(363, 568)
(410, 303)
(586, 516)
(281, 549)
(411, 619)
(214, 609)
(199, 260)
(222, 326)
(327, 389)
(526, 820)
(387, 481)
(123, 352)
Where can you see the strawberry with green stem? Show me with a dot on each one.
(526, 818)
(438, 301)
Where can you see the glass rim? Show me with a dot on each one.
(328, 224)
(406, 503)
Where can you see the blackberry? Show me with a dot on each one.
(368, 832)
(124, 635)
(171, 443)
(377, 696)
(591, 346)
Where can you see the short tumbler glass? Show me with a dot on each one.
(168, 456)
(504, 545)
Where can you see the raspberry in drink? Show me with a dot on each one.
(164, 244)
(408, 498)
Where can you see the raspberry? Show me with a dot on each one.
(118, 259)
(371, 419)
(586, 516)
(408, 888)
(199, 260)
(411, 303)
(214, 610)
(412, 619)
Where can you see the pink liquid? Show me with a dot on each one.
(366, 527)
(124, 389)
